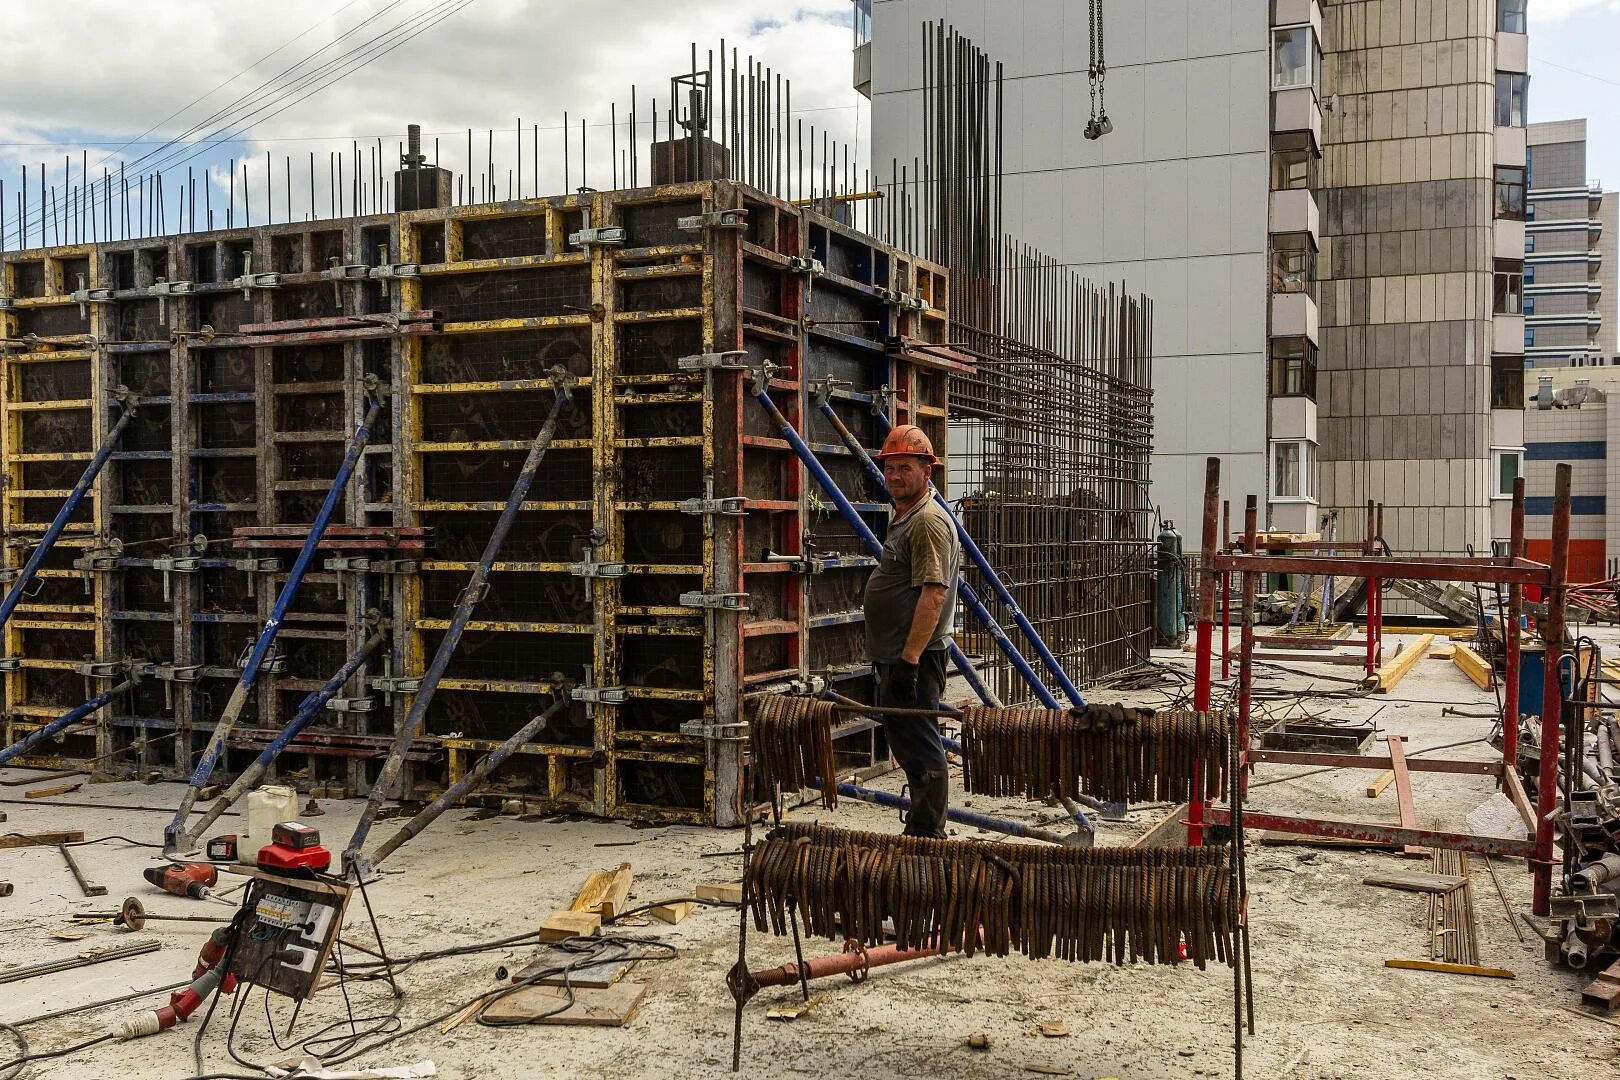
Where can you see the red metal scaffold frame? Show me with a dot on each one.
(1513, 571)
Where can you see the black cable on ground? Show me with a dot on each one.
(22, 1049)
(18, 1063)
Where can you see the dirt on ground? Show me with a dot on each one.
(1326, 1006)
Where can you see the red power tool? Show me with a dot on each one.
(184, 879)
(294, 849)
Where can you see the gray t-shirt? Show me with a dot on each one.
(921, 548)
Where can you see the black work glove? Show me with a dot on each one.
(903, 683)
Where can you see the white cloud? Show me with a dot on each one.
(103, 71)
(1552, 11)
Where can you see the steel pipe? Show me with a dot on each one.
(875, 549)
(272, 626)
(308, 709)
(854, 962)
(472, 595)
(53, 531)
(72, 716)
(964, 817)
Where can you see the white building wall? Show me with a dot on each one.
(1179, 212)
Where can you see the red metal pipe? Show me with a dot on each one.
(1377, 833)
(1378, 650)
(1368, 546)
(844, 963)
(1203, 659)
(1226, 593)
(1552, 636)
(1510, 638)
(1249, 585)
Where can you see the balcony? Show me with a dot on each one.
(1295, 315)
(1296, 109)
(1295, 211)
(1507, 334)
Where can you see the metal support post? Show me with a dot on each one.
(486, 765)
(1552, 636)
(1510, 639)
(992, 578)
(1226, 593)
(72, 716)
(761, 393)
(272, 626)
(1205, 644)
(308, 709)
(25, 577)
(1369, 543)
(562, 384)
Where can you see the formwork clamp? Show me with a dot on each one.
(102, 669)
(175, 564)
(714, 219)
(590, 568)
(606, 236)
(731, 360)
(810, 267)
(707, 729)
(351, 704)
(389, 685)
(717, 601)
(10, 664)
(7, 302)
(174, 673)
(247, 280)
(338, 272)
(164, 290)
(84, 297)
(731, 506)
(274, 661)
(599, 695)
(394, 271)
(98, 560)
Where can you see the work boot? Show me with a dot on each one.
(930, 797)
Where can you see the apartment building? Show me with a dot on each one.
(1569, 316)
(1319, 196)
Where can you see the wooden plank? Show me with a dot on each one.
(1290, 839)
(1443, 652)
(604, 892)
(617, 899)
(726, 894)
(1451, 969)
(610, 1006)
(1376, 788)
(1416, 881)
(571, 924)
(672, 913)
(48, 792)
(44, 839)
(1473, 665)
(41, 779)
(1403, 791)
(1393, 672)
(1169, 832)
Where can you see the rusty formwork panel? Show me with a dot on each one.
(248, 398)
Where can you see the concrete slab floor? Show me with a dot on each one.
(1326, 1007)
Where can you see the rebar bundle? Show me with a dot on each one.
(1116, 905)
(1113, 753)
(791, 741)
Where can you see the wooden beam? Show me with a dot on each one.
(44, 839)
(1445, 651)
(1394, 671)
(1416, 881)
(1451, 969)
(1376, 788)
(48, 792)
(1403, 791)
(1473, 665)
(604, 892)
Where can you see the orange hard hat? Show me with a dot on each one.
(908, 440)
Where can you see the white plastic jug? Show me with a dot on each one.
(267, 807)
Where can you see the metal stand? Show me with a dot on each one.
(1513, 571)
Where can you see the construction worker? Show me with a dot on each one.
(910, 603)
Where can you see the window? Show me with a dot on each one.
(863, 22)
(1293, 471)
(1295, 57)
(1511, 91)
(1529, 341)
(1507, 382)
(1292, 169)
(1529, 242)
(1507, 465)
(1293, 368)
(1509, 293)
(1510, 192)
(1529, 305)
(1529, 275)
(1293, 268)
(1510, 16)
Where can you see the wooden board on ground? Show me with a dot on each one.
(1302, 840)
(610, 1006)
(1415, 881)
(555, 957)
(1443, 652)
(569, 924)
(604, 892)
(1376, 788)
(1393, 672)
(1473, 665)
(44, 839)
(1451, 969)
(730, 893)
(672, 913)
(50, 792)
(1169, 832)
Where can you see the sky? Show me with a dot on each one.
(130, 75)
(1573, 45)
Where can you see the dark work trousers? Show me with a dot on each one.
(914, 742)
